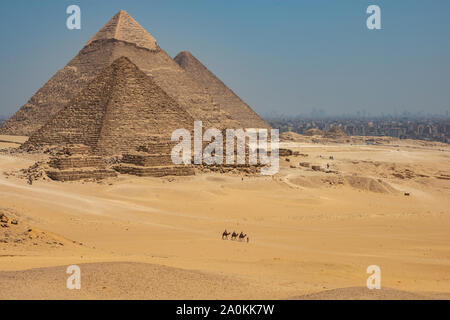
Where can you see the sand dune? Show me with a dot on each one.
(129, 280)
(358, 183)
(123, 280)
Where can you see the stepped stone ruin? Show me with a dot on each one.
(120, 110)
(121, 36)
(153, 160)
(227, 99)
(335, 132)
(74, 162)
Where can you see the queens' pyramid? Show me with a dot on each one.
(225, 97)
(121, 36)
(117, 112)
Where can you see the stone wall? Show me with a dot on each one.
(153, 159)
(80, 174)
(158, 147)
(72, 149)
(64, 163)
(147, 160)
(74, 162)
(156, 171)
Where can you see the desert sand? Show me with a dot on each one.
(312, 233)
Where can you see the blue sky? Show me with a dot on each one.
(281, 56)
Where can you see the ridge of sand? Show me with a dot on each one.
(124, 280)
(132, 280)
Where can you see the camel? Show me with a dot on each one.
(242, 236)
(225, 235)
(234, 235)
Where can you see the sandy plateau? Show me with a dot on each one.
(312, 233)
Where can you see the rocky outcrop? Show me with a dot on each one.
(285, 152)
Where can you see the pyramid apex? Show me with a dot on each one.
(185, 53)
(122, 12)
(183, 57)
(123, 27)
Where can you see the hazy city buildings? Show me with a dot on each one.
(437, 129)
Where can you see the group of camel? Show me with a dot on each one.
(235, 236)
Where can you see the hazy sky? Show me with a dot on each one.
(280, 56)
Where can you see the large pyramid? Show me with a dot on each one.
(120, 110)
(226, 98)
(121, 36)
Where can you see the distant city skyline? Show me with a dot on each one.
(402, 128)
(283, 57)
(361, 114)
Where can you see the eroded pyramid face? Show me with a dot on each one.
(121, 36)
(120, 110)
(225, 97)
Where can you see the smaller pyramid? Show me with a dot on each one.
(74, 162)
(123, 27)
(335, 132)
(224, 96)
(153, 160)
(120, 110)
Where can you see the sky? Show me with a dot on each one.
(283, 57)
